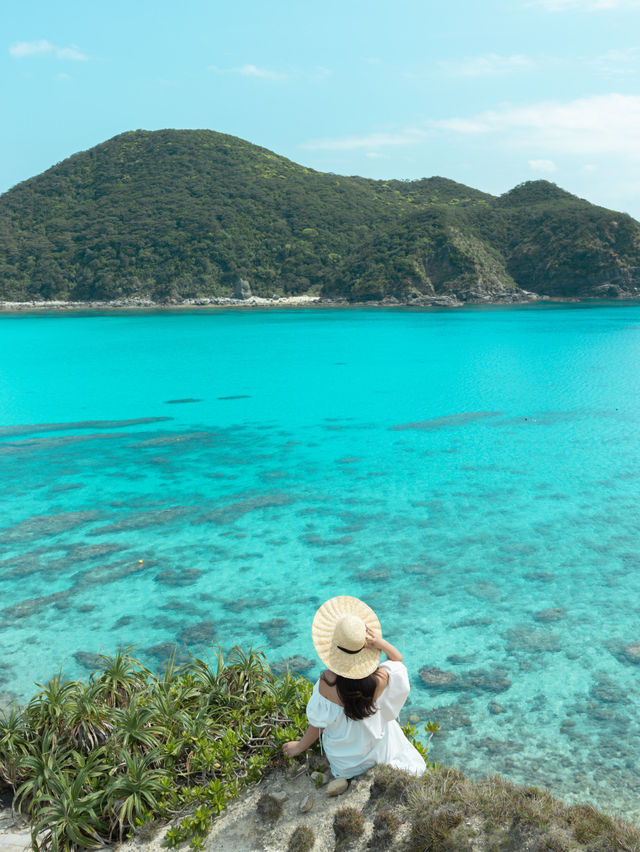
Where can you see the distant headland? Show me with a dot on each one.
(199, 218)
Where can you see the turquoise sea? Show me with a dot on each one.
(180, 478)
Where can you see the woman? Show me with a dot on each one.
(356, 701)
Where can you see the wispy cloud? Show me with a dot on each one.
(250, 71)
(601, 124)
(321, 73)
(24, 49)
(409, 136)
(263, 73)
(625, 61)
(616, 61)
(585, 5)
(489, 65)
(544, 166)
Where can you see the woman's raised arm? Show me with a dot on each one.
(375, 641)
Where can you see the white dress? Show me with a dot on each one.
(352, 746)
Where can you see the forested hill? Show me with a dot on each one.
(176, 214)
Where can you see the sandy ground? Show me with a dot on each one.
(14, 835)
(240, 829)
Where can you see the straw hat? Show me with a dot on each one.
(339, 636)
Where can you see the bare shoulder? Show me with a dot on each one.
(328, 677)
(382, 676)
(327, 687)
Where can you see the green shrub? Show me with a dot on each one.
(93, 763)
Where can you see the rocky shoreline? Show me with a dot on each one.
(424, 301)
(445, 300)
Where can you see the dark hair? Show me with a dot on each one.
(356, 694)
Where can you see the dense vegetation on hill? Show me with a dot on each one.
(186, 213)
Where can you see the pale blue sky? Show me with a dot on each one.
(487, 93)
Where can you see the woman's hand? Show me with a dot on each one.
(372, 639)
(292, 749)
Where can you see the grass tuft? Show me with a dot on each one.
(429, 830)
(588, 824)
(390, 784)
(348, 825)
(448, 813)
(385, 827)
(269, 809)
(302, 839)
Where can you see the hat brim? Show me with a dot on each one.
(353, 666)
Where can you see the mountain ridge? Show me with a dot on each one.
(171, 215)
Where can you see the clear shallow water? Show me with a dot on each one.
(465, 472)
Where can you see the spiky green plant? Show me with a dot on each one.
(68, 815)
(47, 709)
(87, 719)
(15, 736)
(44, 761)
(135, 794)
(170, 700)
(121, 675)
(135, 726)
(90, 763)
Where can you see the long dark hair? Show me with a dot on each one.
(356, 694)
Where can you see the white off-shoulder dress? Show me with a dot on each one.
(351, 746)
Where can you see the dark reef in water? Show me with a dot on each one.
(37, 428)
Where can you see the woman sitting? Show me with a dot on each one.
(355, 703)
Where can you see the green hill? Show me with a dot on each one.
(177, 214)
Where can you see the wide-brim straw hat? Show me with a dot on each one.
(339, 636)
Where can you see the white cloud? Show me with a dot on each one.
(618, 61)
(28, 48)
(22, 49)
(372, 140)
(321, 73)
(601, 124)
(464, 125)
(263, 73)
(585, 5)
(489, 65)
(250, 71)
(72, 53)
(544, 166)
